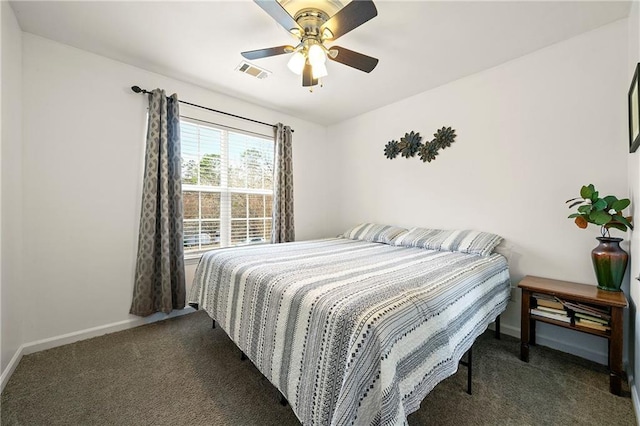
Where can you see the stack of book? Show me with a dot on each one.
(550, 307)
(589, 316)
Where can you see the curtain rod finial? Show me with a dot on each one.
(136, 89)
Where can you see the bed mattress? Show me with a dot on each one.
(352, 332)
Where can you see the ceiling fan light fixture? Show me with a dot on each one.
(296, 63)
(312, 27)
(319, 71)
(317, 55)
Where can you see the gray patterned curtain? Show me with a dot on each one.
(159, 284)
(282, 229)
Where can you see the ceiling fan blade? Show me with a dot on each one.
(307, 76)
(354, 59)
(265, 53)
(277, 12)
(350, 17)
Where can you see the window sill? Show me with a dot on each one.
(192, 258)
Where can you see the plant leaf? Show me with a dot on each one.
(586, 191)
(594, 196)
(585, 209)
(571, 216)
(610, 199)
(622, 220)
(600, 204)
(616, 225)
(581, 222)
(599, 217)
(621, 204)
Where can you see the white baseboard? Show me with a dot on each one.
(52, 342)
(11, 367)
(65, 339)
(509, 330)
(542, 340)
(581, 351)
(634, 397)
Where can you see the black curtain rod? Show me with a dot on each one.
(137, 89)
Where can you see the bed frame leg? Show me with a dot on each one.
(214, 324)
(498, 327)
(469, 369)
(469, 364)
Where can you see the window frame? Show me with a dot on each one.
(226, 192)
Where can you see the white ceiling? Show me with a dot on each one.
(420, 44)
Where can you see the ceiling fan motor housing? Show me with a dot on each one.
(311, 21)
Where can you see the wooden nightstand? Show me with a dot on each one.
(613, 302)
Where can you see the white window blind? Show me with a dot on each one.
(227, 186)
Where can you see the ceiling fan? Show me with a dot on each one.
(313, 27)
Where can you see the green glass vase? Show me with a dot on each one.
(609, 263)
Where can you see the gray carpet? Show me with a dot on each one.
(180, 371)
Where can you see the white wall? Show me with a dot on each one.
(634, 189)
(530, 133)
(11, 160)
(83, 164)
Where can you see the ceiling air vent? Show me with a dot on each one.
(252, 70)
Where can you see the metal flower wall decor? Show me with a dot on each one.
(411, 144)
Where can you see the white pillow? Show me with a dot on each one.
(373, 232)
(465, 241)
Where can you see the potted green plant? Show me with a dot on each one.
(609, 259)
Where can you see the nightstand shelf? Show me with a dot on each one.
(613, 302)
(572, 326)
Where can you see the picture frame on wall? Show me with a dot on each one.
(634, 112)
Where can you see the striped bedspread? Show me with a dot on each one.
(351, 332)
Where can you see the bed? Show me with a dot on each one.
(352, 331)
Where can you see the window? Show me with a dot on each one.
(227, 186)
